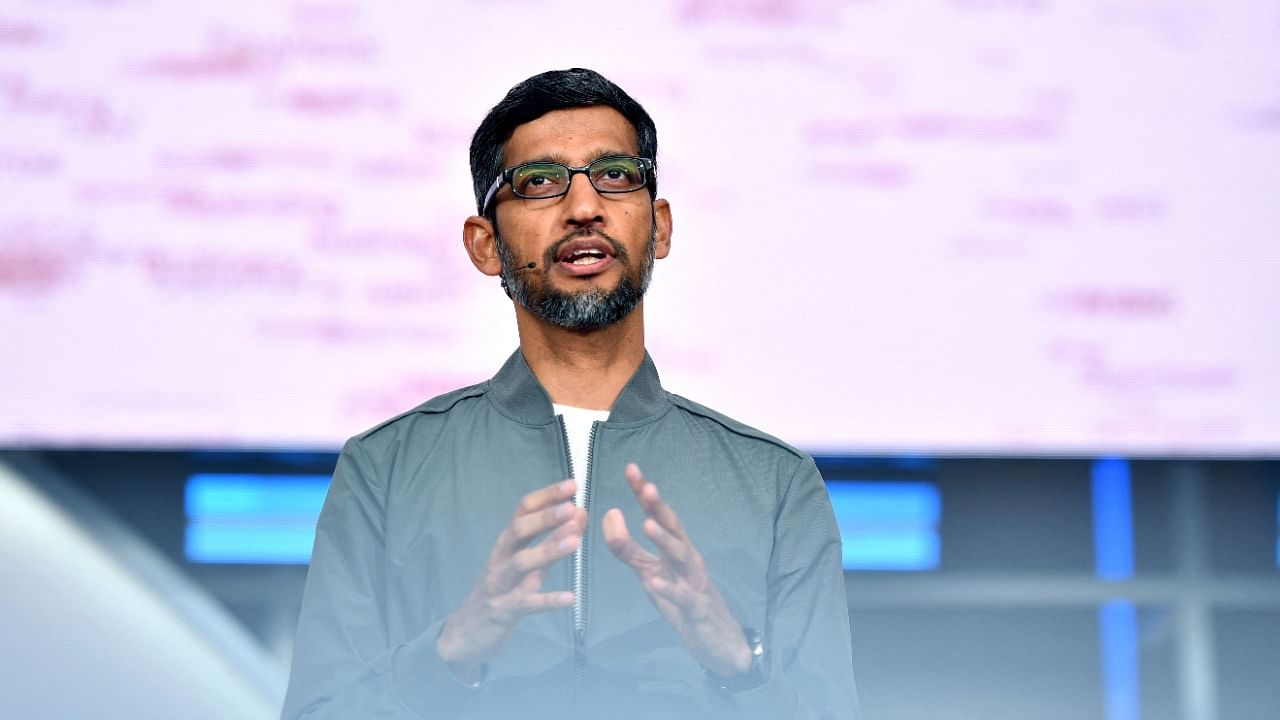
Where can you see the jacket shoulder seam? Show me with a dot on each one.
(437, 405)
(734, 426)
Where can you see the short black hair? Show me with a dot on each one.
(541, 94)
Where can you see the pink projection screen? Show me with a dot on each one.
(940, 226)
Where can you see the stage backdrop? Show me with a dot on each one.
(949, 226)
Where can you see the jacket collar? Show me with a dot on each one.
(517, 392)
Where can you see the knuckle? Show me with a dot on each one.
(498, 608)
(549, 516)
(521, 562)
(527, 561)
(518, 530)
(495, 583)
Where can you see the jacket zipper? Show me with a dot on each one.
(577, 554)
(580, 557)
(580, 565)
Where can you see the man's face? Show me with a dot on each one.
(594, 251)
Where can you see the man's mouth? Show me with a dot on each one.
(584, 256)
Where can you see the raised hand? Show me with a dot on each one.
(511, 585)
(677, 581)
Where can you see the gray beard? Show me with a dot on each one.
(590, 309)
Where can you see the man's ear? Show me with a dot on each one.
(481, 242)
(661, 228)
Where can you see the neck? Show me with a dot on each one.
(583, 369)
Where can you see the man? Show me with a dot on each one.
(718, 595)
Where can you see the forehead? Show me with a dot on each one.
(574, 135)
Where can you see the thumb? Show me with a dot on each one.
(619, 539)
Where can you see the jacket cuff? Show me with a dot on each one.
(774, 698)
(422, 680)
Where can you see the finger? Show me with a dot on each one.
(544, 497)
(676, 593)
(635, 478)
(542, 602)
(654, 507)
(524, 528)
(526, 598)
(534, 502)
(621, 544)
(511, 571)
(651, 500)
(534, 601)
(677, 551)
(558, 546)
(517, 603)
(532, 582)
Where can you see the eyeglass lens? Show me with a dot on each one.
(611, 174)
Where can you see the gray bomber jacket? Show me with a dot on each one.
(417, 502)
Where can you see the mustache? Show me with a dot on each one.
(616, 248)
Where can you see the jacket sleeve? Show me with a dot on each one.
(344, 663)
(809, 662)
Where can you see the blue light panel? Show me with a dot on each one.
(887, 525)
(1118, 629)
(1112, 519)
(252, 519)
(1113, 558)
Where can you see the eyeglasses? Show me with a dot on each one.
(542, 180)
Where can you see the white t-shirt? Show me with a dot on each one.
(577, 423)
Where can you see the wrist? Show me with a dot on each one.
(733, 662)
(469, 671)
(447, 645)
(748, 669)
(470, 675)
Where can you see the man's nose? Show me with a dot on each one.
(583, 203)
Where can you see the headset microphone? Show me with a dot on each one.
(526, 268)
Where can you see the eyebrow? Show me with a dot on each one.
(564, 159)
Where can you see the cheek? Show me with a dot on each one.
(517, 232)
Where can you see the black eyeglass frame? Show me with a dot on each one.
(646, 166)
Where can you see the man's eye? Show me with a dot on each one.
(621, 175)
(541, 177)
(536, 181)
